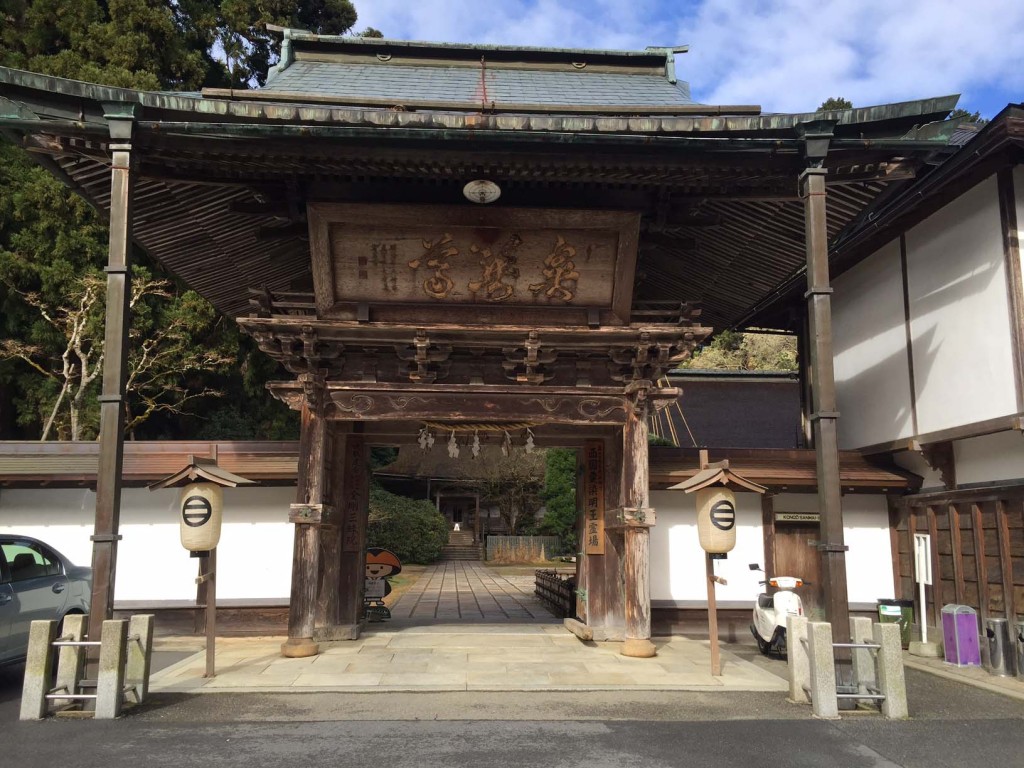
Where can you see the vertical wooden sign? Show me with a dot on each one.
(353, 488)
(593, 497)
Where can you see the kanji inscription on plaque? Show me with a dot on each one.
(593, 497)
(558, 265)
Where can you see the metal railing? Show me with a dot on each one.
(125, 652)
(877, 666)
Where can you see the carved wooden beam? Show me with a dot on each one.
(358, 401)
(940, 458)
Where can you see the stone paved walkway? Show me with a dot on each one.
(469, 591)
(461, 657)
(462, 626)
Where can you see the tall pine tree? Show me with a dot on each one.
(53, 245)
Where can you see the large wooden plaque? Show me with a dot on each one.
(461, 264)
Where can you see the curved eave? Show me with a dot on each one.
(27, 96)
(999, 143)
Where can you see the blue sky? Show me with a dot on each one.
(787, 56)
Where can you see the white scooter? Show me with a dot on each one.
(771, 610)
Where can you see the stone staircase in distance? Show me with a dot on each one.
(460, 546)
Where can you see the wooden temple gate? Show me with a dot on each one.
(460, 319)
(395, 301)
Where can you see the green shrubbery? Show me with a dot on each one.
(413, 530)
(559, 497)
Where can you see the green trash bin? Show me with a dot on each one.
(898, 612)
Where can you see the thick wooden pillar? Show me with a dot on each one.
(355, 508)
(105, 536)
(307, 514)
(637, 517)
(602, 563)
(330, 532)
(824, 416)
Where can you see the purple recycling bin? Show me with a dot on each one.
(960, 635)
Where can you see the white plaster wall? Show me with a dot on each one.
(959, 313)
(1018, 193)
(913, 461)
(989, 458)
(870, 351)
(677, 563)
(253, 558)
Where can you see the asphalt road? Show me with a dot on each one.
(951, 725)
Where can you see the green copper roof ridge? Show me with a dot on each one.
(76, 89)
(301, 35)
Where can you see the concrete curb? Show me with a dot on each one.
(949, 674)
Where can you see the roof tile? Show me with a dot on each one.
(462, 84)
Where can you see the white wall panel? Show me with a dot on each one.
(254, 555)
(677, 561)
(913, 461)
(870, 351)
(960, 322)
(990, 458)
(1018, 193)
(866, 533)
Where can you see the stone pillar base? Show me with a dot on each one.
(927, 650)
(638, 648)
(299, 648)
(337, 632)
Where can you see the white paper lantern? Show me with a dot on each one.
(716, 519)
(200, 507)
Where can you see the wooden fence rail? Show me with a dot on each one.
(550, 544)
(557, 591)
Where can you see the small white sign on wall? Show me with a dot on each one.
(923, 558)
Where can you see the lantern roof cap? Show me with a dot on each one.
(717, 474)
(201, 469)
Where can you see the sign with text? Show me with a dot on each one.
(797, 517)
(593, 497)
(472, 258)
(923, 558)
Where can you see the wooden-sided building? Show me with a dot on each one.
(929, 352)
(472, 239)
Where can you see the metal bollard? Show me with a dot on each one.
(797, 659)
(38, 670)
(110, 680)
(823, 670)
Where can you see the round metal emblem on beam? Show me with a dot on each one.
(481, 191)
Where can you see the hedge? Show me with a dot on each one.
(413, 530)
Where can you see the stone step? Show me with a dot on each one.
(462, 552)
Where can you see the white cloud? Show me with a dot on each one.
(596, 24)
(792, 55)
(787, 55)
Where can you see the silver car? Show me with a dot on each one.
(36, 582)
